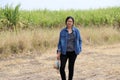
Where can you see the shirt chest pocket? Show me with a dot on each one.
(63, 36)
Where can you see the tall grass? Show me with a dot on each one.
(47, 18)
(100, 36)
(42, 39)
(11, 15)
(43, 27)
(28, 41)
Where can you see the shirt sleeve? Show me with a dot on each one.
(80, 41)
(59, 44)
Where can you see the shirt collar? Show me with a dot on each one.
(73, 28)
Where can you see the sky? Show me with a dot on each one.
(61, 4)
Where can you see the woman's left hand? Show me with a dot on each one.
(58, 56)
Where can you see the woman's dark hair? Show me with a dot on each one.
(69, 17)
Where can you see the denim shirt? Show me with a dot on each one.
(62, 44)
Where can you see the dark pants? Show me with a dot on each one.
(71, 56)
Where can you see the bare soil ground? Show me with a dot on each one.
(94, 63)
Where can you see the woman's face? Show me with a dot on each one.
(69, 23)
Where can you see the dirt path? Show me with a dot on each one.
(94, 63)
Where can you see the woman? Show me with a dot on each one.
(69, 46)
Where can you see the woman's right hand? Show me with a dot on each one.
(58, 56)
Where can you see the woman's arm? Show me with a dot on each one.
(59, 45)
(80, 40)
(59, 48)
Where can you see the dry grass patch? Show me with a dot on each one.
(42, 39)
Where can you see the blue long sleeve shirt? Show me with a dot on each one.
(62, 44)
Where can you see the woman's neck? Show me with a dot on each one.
(69, 27)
